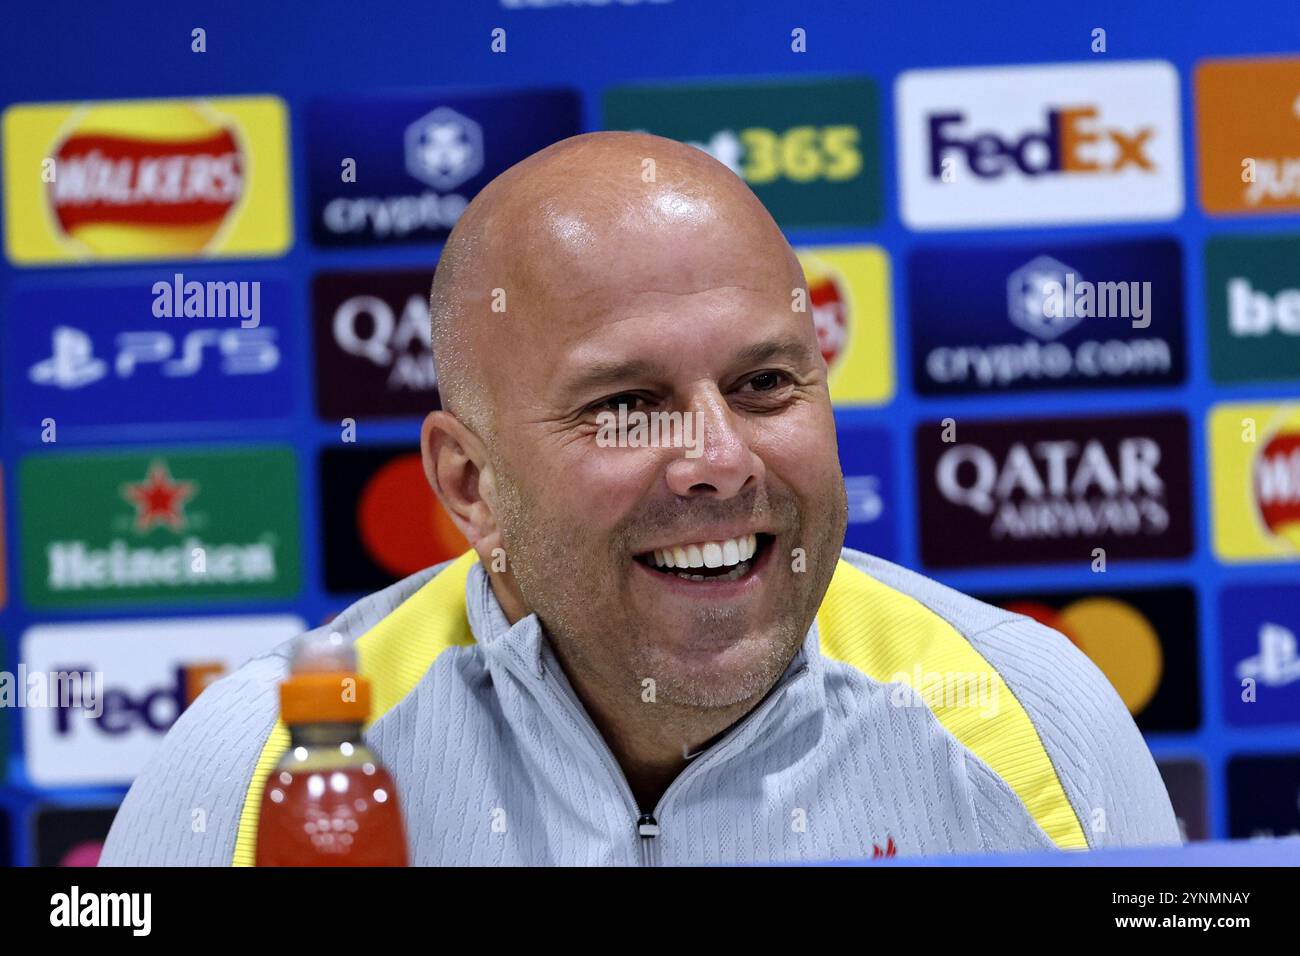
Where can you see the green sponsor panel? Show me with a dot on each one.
(165, 525)
(810, 149)
(1252, 287)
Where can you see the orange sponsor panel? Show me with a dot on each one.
(1248, 134)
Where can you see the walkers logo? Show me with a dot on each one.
(146, 179)
(1253, 306)
(1264, 796)
(151, 670)
(1259, 628)
(810, 149)
(1015, 318)
(402, 169)
(1143, 640)
(1033, 145)
(95, 355)
(1248, 130)
(373, 355)
(170, 525)
(1255, 450)
(1025, 492)
(399, 526)
(71, 836)
(848, 292)
(867, 460)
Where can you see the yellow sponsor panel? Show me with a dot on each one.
(1255, 477)
(849, 289)
(146, 179)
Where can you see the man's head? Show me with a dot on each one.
(625, 271)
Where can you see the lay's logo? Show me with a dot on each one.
(158, 179)
(848, 296)
(1255, 450)
(1277, 483)
(1031, 145)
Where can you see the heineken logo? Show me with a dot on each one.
(162, 526)
(159, 499)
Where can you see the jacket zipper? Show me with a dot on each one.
(647, 824)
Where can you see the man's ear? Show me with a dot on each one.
(456, 464)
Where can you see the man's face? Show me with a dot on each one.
(704, 325)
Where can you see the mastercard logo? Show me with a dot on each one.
(146, 179)
(157, 178)
(403, 526)
(1115, 636)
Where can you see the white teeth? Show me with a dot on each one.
(708, 554)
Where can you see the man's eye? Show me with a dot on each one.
(767, 381)
(613, 403)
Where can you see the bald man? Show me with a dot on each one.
(657, 650)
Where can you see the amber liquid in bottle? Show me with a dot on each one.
(329, 802)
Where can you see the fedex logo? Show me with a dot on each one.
(1039, 145)
(153, 708)
(1072, 141)
(152, 670)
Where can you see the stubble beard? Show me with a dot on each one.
(581, 616)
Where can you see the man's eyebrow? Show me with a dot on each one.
(793, 350)
(605, 374)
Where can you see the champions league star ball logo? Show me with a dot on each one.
(444, 148)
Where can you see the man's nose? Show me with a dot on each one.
(722, 465)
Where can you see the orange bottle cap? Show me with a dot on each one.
(325, 697)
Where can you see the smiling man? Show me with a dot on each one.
(658, 651)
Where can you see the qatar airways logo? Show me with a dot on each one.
(1036, 145)
(1021, 492)
(1054, 488)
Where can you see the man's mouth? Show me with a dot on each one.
(726, 560)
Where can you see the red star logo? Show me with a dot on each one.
(159, 499)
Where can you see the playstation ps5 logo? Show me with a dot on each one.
(444, 148)
(1029, 291)
(1277, 663)
(72, 363)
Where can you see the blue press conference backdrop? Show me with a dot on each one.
(1137, 158)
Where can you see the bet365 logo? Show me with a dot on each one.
(810, 150)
